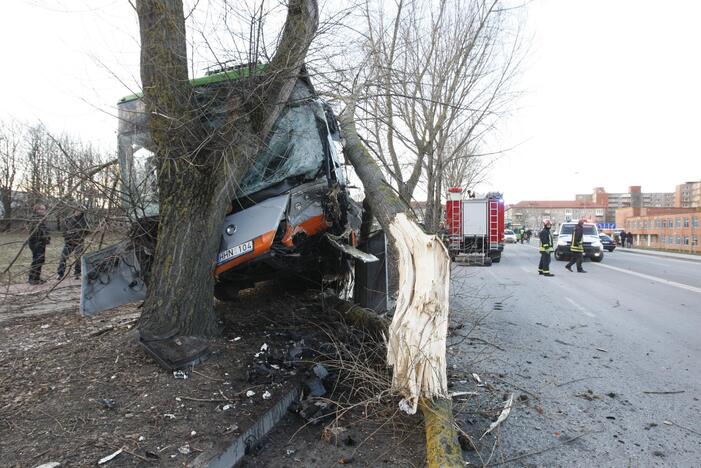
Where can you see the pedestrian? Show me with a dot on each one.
(38, 240)
(629, 240)
(529, 233)
(75, 229)
(623, 238)
(546, 247)
(577, 247)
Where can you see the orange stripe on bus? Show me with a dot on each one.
(310, 227)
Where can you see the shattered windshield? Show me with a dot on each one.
(295, 148)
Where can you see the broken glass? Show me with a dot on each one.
(296, 149)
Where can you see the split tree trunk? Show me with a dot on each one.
(416, 347)
(197, 168)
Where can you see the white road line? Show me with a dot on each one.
(582, 309)
(654, 278)
(574, 303)
(526, 269)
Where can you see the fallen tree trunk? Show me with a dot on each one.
(416, 341)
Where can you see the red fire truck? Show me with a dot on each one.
(474, 227)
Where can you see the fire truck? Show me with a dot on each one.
(474, 227)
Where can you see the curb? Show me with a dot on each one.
(237, 449)
(657, 253)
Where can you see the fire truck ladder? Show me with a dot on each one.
(493, 225)
(456, 220)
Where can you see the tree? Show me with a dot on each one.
(11, 135)
(438, 83)
(416, 339)
(197, 167)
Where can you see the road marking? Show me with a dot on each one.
(582, 309)
(654, 278)
(527, 270)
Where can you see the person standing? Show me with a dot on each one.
(629, 240)
(546, 247)
(623, 238)
(38, 240)
(577, 247)
(75, 228)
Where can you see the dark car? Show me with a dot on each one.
(608, 243)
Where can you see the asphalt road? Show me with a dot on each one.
(609, 362)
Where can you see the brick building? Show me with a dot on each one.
(665, 229)
(600, 206)
(633, 198)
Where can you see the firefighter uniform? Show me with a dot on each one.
(577, 248)
(546, 247)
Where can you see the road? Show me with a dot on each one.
(609, 362)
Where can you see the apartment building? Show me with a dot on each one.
(688, 195)
(600, 206)
(633, 198)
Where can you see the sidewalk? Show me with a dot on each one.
(661, 253)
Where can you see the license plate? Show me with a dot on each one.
(235, 251)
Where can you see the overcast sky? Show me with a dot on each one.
(612, 89)
(613, 96)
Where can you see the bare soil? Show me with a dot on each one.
(75, 389)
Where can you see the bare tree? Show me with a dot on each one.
(11, 136)
(196, 166)
(439, 81)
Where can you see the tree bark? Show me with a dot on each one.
(196, 168)
(416, 344)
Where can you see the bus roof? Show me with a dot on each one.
(226, 75)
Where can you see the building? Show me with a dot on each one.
(664, 229)
(600, 206)
(530, 214)
(633, 198)
(688, 195)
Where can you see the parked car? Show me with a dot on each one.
(608, 243)
(509, 236)
(593, 248)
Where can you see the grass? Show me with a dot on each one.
(12, 242)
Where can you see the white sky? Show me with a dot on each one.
(612, 89)
(613, 95)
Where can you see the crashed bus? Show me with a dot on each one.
(291, 213)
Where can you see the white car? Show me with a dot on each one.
(509, 236)
(593, 248)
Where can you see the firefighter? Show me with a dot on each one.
(577, 247)
(546, 247)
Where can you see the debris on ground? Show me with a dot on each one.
(110, 457)
(502, 417)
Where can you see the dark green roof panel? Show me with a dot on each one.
(228, 75)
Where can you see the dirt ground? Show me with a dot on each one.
(75, 389)
(18, 257)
